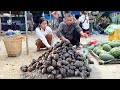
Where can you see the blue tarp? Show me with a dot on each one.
(48, 17)
(75, 12)
(109, 11)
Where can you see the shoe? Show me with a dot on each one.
(91, 62)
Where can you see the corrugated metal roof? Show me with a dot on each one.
(13, 12)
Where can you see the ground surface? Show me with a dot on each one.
(10, 66)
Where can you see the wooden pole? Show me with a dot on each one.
(0, 24)
(10, 15)
(27, 49)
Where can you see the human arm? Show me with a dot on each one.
(79, 30)
(83, 34)
(51, 32)
(59, 32)
(33, 21)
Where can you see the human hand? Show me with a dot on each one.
(49, 48)
(78, 51)
(64, 39)
(33, 23)
(67, 40)
(85, 35)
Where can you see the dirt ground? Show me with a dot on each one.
(10, 66)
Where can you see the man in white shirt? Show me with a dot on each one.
(9, 22)
(44, 34)
(83, 21)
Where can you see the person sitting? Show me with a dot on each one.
(44, 34)
(70, 31)
(104, 23)
(83, 21)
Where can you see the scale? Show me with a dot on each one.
(84, 50)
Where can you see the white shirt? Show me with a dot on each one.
(42, 33)
(85, 25)
(59, 14)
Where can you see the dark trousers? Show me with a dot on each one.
(9, 26)
(76, 38)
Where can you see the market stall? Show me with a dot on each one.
(105, 52)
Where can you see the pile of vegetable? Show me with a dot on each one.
(60, 62)
(106, 50)
(111, 28)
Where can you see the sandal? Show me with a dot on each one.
(78, 47)
(90, 62)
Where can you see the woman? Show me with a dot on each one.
(44, 34)
(83, 21)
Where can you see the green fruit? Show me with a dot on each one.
(107, 47)
(98, 51)
(114, 44)
(115, 52)
(116, 40)
(91, 47)
(104, 42)
(106, 57)
(95, 49)
(103, 52)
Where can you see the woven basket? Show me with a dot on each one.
(13, 46)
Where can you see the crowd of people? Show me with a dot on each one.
(69, 29)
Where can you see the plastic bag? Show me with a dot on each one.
(94, 41)
(17, 32)
(9, 32)
(110, 29)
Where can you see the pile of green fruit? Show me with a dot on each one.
(60, 62)
(107, 50)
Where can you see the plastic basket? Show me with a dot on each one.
(13, 46)
(115, 35)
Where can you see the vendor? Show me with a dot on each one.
(70, 31)
(44, 34)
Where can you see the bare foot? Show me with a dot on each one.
(38, 49)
